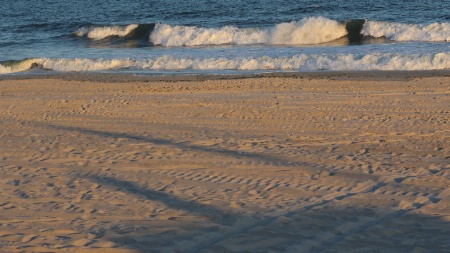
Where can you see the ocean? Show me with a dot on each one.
(168, 37)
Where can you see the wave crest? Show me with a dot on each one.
(300, 62)
(306, 31)
(18, 66)
(407, 32)
(101, 32)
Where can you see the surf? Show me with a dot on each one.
(435, 32)
(133, 35)
(307, 31)
(298, 62)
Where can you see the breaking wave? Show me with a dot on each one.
(306, 31)
(300, 62)
(438, 32)
(101, 32)
(9, 67)
(134, 35)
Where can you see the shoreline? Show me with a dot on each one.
(338, 75)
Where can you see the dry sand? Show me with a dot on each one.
(299, 163)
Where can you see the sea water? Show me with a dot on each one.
(236, 36)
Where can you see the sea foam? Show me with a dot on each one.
(101, 32)
(299, 62)
(408, 32)
(19, 66)
(306, 31)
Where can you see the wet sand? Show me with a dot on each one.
(287, 162)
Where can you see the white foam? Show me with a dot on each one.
(307, 31)
(85, 65)
(18, 67)
(407, 32)
(4, 70)
(101, 32)
(300, 62)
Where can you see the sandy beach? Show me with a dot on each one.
(318, 162)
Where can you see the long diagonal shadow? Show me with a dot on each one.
(212, 213)
(182, 145)
(168, 199)
(343, 227)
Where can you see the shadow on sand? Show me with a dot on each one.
(331, 226)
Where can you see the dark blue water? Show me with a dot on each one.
(223, 36)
